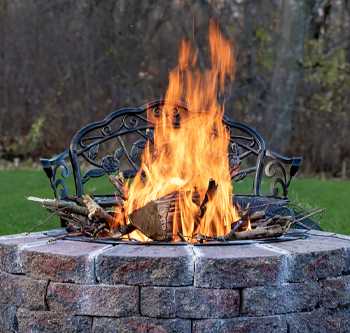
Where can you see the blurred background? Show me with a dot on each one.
(65, 63)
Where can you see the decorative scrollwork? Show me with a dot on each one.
(157, 111)
(235, 149)
(133, 122)
(270, 171)
(65, 173)
(150, 135)
(93, 173)
(233, 160)
(110, 163)
(228, 129)
(174, 111)
(93, 151)
(106, 130)
(118, 153)
(135, 148)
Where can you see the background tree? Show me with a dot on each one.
(66, 63)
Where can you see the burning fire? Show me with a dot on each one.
(186, 158)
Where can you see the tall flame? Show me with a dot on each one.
(186, 158)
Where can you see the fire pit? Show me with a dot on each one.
(181, 188)
(117, 266)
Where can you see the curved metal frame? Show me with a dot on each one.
(111, 163)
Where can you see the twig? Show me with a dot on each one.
(102, 226)
(66, 235)
(39, 225)
(315, 223)
(309, 215)
(231, 233)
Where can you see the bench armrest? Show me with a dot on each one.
(56, 162)
(279, 161)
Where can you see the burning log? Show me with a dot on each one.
(121, 231)
(209, 195)
(119, 183)
(153, 220)
(96, 210)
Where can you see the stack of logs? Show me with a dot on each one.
(155, 220)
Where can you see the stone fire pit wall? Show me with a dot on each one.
(68, 286)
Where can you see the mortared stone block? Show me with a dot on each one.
(237, 266)
(96, 300)
(146, 265)
(20, 291)
(63, 261)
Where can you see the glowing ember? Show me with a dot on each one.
(185, 159)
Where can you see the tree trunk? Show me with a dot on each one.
(286, 74)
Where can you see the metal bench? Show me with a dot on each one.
(132, 123)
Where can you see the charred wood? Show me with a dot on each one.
(209, 195)
(121, 231)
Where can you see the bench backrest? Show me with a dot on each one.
(133, 122)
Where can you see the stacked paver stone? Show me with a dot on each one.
(69, 286)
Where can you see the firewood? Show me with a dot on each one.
(153, 221)
(119, 184)
(249, 216)
(263, 232)
(121, 231)
(59, 204)
(274, 220)
(209, 195)
(96, 210)
(253, 216)
(231, 234)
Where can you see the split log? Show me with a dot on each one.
(119, 183)
(96, 210)
(153, 220)
(264, 232)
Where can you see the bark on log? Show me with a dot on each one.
(71, 206)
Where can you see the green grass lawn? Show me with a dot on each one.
(19, 215)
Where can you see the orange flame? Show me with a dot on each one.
(249, 227)
(185, 158)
